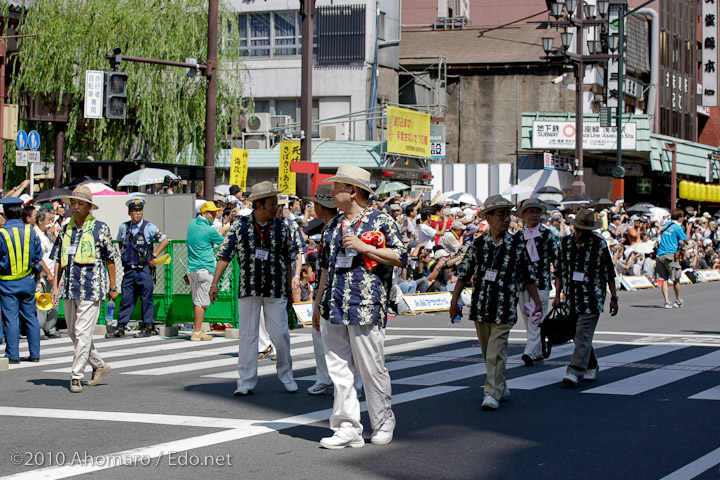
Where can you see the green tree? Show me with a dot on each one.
(166, 108)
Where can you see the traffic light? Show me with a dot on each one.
(115, 95)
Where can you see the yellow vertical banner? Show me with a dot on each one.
(289, 152)
(239, 168)
(408, 132)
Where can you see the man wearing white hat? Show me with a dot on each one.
(582, 271)
(266, 255)
(352, 301)
(500, 266)
(542, 250)
(83, 250)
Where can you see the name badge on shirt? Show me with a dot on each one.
(262, 254)
(71, 249)
(344, 261)
(578, 276)
(491, 275)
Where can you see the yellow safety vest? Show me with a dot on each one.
(19, 259)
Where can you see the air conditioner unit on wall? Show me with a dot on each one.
(256, 144)
(453, 8)
(334, 132)
(258, 123)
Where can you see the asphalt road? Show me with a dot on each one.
(167, 410)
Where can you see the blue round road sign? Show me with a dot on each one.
(33, 140)
(21, 140)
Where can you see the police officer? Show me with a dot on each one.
(136, 238)
(20, 253)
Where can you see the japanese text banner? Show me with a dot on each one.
(408, 132)
(289, 152)
(239, 168)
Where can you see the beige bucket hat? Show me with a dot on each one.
(83, 193)
(352, 176)
(262, 190)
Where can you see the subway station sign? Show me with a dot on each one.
(561, 136)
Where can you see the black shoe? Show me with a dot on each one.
(54, 335)
(34, 360)
(117, 333)
(527, 359)
(14, 362)
(147, 331)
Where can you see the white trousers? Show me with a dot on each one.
(363, 347)
(277, 326)
(81, 317)
(321, 369)
(264, 341)
(534, 346)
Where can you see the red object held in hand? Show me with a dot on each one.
(376, 239)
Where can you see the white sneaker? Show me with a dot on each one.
(384, 434)
(506, 393)
(319, 389)
(291, 387)
(489, 403)
(346, 436)
(668, 305)
(590, 374)
(570, 380)
(678, 304)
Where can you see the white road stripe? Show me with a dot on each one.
(249, 429)
(657, 378)
(711, 394)
(549, 377)
(696, 468)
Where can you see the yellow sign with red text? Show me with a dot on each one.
(239, 168)
(289, 152)
(408, 132)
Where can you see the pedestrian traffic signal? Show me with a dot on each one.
(115, 95)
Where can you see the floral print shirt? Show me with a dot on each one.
(547, 247)
(592, 260)
(355, 295)
(495, 295)
(86, 282)
(263, 254)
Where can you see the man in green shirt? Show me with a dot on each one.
(202, 238)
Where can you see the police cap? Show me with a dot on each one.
(11, 202)
(136, 203)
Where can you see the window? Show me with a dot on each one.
(274, 34)
(341, 34)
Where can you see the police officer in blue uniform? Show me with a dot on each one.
(136, 239)
(20, 253)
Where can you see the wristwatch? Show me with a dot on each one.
(113, 289)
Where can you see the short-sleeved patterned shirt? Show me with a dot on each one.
(495, 301)
(258, 277)
(355, 295)
(593, 260)
(86, 282)
(547, 246)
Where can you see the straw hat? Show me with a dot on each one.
(495, 202)
(585, 220)
(262, 190)
(323, 196)
(352, 176)
(83, 193)
(531, 203)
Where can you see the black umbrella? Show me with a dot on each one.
(644, 204)
(549, 189)
(639, 210)
(576, 199)
(717, 214)
(552, 203)
(603, 202)
(53, 194)
(313, 226)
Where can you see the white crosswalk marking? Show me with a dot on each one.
(549, 377)
(711, 394)
(662, 376)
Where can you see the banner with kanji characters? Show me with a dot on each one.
(408, 132)
(289, 152)
(709, 46)
(239, 168)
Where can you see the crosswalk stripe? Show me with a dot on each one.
(711, 394)
(549, 377)
(302, 364)
(657, 378)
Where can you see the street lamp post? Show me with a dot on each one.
(580, 16)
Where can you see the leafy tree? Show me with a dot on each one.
(166, 108)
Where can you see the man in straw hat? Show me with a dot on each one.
(582, 271)
(82, 251)
(353, 301)
(266, 255)
(135, 238)
(541, 246)
(499, 263)
(20, 254)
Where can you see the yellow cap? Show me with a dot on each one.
(43, 301)
(209, 207)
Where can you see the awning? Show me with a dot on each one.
(691, 157)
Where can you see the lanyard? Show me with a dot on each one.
(267, 231)
(356, 223)
(496, 252)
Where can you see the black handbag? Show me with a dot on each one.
(556, 329)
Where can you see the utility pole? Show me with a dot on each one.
(672, 148)
(211, 99)
(307, 11)
(3, 52)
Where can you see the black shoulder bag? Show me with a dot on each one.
(556, 329)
